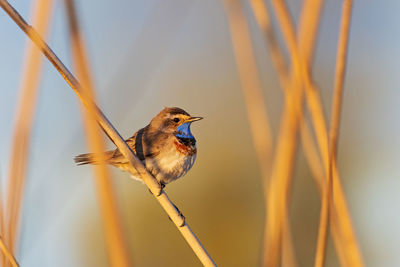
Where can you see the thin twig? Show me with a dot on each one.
(24, 120)
(8, 254)
(117, 247)
(112, 133)
(334, 129)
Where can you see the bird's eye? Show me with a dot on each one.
(176, 120)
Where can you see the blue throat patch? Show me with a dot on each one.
(183, 131)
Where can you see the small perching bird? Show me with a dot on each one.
(166, 147)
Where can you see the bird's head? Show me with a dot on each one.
(174, 120)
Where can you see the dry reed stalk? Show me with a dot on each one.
(351, 251)
(278, 188)
(115, 137)
(263, 19)
(117, 247)
(250, 83)
(2, 230)
(254, 101)
(287, 142)
(262, 16)
(288, 256)
(23, 124)
(8, 254)
(313, 159)
(334, 129)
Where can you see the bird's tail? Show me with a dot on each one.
(89, 158)
(85, 159)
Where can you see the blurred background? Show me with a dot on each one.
(146, 55)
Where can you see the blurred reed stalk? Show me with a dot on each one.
(263, 19)
(250, 83)
(341, 57)
(6, 252)
(350, 251)
(278, 193)
(255, 104)
(112, 133)
(23, 124)
(117, 248)
(2, 230)
(262, 16)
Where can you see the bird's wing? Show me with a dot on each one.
(116, 156)
(136, 144)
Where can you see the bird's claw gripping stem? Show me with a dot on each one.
(181, 215)
(162, 185)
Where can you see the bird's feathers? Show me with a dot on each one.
(115, 157)
(166, 150)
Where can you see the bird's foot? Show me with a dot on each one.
(162, 185)
(181, 215)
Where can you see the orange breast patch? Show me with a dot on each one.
(183, 149)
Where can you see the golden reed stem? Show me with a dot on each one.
(254, 100)
(117, 247)
(351, 253)
(112, 133)
(262, 16)
(334, 130)
(263, 19)
(23, 124)
(250, 83)
(8, 254)
(2, 230)
(287, 142)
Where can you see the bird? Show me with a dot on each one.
(166, 147)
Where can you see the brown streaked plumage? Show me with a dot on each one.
(166, 147)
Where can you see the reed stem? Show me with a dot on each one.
(334, 130)
(117, 247)
(287, 141)
(263, 19)
(23, 124)
(254, 101)
(8, 254)
(352, 254)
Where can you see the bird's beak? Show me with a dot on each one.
(192, 119)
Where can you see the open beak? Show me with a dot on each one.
(192, 119)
